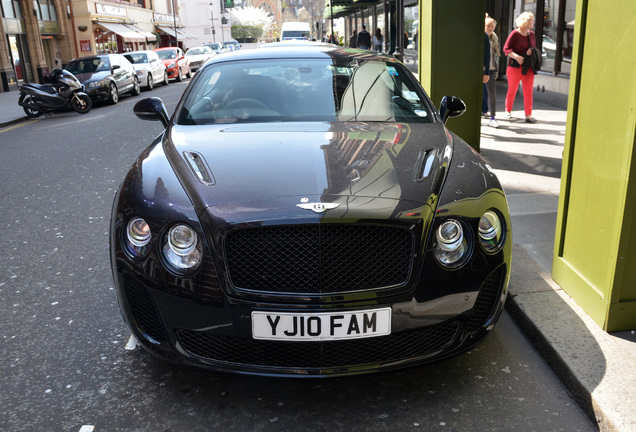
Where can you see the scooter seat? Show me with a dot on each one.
(47, 88)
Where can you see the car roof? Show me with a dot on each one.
(284, 51)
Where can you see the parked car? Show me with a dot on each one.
(217, 47)
(105, 76)
(306, 212)
(175, 61)
(198, 56)
(233, 45)
(150, 69)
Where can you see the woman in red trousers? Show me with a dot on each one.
(518, 48)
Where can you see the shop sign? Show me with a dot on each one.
(164, 18)
(85, 45)
(111, 10)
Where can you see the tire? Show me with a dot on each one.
(81, 104)
(179, 75)
(30, 107)
(166, 79)
(113, 96)
(136, 87)
(151, 82)
(189, 74)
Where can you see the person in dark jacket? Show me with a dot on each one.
(364, 38)
(518, 47)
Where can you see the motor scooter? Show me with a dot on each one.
(61, 91)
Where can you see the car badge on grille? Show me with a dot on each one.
(317, 207)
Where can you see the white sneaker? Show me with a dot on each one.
(508, 115)
(493, 123)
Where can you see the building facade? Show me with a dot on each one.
(40, 35)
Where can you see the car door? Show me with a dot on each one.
(129, 71)
(118, 73)
(156, 66)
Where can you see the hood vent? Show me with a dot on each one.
(199, 167)
(424, 164)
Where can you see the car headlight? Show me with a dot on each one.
(182, 248)
(451, 247)
(138, 237)
(491, 233)
(94, 84)
(141, 72)
(172, 65)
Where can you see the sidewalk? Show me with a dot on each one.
(598, 368)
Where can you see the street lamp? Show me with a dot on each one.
(212, 21)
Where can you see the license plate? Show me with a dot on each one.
(321, 326)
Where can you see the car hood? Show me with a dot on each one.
(92, 76)
(388, 165)
(198, 57)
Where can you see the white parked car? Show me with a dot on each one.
(198, 56)
(150, 69)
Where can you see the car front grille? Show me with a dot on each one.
(316, 259)
(406, 345)
(144, 311)
(489, 294)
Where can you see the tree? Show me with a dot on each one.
(249, 22)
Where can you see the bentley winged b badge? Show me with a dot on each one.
(317, 207)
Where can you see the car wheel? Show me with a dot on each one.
(136, 87)
(166, 79)
(151, 82)
(189, 74)
(179, 75)
(113, 94)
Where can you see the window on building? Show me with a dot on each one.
(557, 35)
(11, 9)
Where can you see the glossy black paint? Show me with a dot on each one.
(259, 173)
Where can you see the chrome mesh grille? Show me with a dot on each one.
(319, 258)
(320, 354)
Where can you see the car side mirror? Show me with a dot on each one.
(451, 106)
(152, 109)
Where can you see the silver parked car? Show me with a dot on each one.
(149, 68)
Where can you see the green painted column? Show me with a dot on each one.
(451, 58)
(595, 244)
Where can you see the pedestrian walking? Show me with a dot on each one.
(377, 40)
(518, 48)
(490, 92)
(353, 39)
(364, 38)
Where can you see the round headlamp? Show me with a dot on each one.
(138, 237)
(182, 248)
(451, 247)
(490, 232)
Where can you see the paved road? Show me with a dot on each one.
(63, 362)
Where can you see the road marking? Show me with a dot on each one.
(18, 125)
(87, 428)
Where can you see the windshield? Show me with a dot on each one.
(137, 58)
(295, 34)
(196, 51)
(88, 65)
(166, 54)
(304, 90)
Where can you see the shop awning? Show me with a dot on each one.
(126, 33)
(170, 31)
(147, 35)
(342, 8)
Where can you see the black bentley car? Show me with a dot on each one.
(306, 212)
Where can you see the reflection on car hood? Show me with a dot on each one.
(92, 76)
(222, 164)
